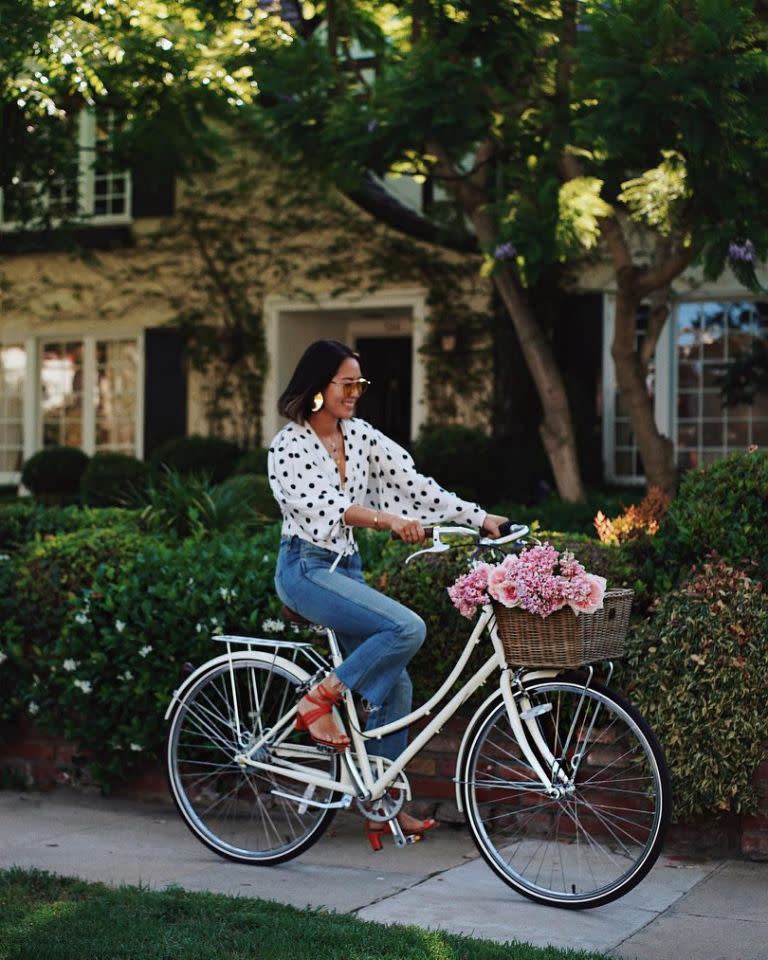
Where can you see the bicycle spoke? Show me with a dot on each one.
(234, 809)
(587, 840)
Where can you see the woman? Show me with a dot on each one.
(331, 473)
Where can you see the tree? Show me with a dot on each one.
(673, 130)
(459, 94)
(163, 64)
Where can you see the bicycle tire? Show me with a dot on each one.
(229, 808)
(592, 846)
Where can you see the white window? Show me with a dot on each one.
(81, 392)
(96, 194)
(89, 394)
(13, 369)
(708, 336)
(685, 381)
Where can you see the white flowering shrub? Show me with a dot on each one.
(103, 622)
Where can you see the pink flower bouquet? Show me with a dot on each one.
(539, 580)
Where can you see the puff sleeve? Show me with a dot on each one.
(395, 485)
(308, 497)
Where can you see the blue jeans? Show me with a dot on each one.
(378, 635)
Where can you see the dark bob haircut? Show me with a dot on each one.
(312, 375)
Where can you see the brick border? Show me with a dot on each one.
(43, 761)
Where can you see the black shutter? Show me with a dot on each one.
(165, 388)
(154, 193)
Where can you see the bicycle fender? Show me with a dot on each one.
(478, 716)
(252, 655)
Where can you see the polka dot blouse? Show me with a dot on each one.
(380, 474)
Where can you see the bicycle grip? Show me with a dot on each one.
(428, 532)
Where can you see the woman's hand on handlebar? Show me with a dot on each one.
(491, 525)
(407, 529)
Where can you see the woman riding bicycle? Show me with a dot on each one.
(331, 472)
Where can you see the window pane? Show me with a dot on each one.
(623, 434)
(688, 433)
(13, 371)
(712, 433)
(711, 403)
(625, 464)
(61, 392)
(688, 404)
(737, 434)
(689, 376)
(116, 378)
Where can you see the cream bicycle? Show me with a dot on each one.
(563, 785)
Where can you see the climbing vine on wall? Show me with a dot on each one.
(252, 230)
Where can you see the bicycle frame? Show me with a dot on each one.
(360, 780)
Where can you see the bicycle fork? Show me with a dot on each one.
(526, 730)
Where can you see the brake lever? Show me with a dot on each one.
(435, 548)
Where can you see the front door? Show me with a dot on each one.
(386, 362)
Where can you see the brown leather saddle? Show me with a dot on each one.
(292, 617)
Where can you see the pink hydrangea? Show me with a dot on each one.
(538, 580)
(470, 590)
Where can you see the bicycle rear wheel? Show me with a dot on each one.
(232, 809)
(604, 831)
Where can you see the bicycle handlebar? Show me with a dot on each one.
(510, 532)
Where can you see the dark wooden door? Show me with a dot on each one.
(386, 362)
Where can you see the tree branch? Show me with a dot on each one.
(662, 274)
(372, 197)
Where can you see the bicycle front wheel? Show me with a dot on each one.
(237, 811)
(597, 835)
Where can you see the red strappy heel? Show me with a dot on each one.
(375, 832)
(324, 701)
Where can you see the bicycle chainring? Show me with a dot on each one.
(383, 809)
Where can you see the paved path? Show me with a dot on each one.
(684, 910)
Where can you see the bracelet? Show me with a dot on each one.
(375, 519)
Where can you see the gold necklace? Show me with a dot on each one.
(332, 448)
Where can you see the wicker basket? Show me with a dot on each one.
(563, 639)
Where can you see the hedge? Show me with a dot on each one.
(109, 618)
(100, 620)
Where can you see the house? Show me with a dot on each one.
(91, 354)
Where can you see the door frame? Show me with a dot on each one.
(413, 299)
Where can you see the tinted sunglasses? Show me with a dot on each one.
(353, 388)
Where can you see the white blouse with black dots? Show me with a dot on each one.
(380, 474)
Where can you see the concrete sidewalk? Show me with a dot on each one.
(684, 910)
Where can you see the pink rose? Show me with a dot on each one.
(506, 594)
(497, 577)
(592, 598)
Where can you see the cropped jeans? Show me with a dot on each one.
(377, 634)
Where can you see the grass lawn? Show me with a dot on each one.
(45, 917)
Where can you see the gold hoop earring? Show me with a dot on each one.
(317, 402)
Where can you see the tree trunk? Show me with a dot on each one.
(556, 427)
(656, 450)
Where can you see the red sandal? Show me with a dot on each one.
(375, 832)
(324, 701)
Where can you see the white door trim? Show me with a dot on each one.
(413, 299)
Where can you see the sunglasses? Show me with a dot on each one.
(353, 388)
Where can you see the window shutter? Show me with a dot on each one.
(165, 388)
(153, 194)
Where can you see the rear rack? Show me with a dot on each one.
(296, 647)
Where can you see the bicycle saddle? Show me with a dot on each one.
(292, 617)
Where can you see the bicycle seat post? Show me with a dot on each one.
(333, 645)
